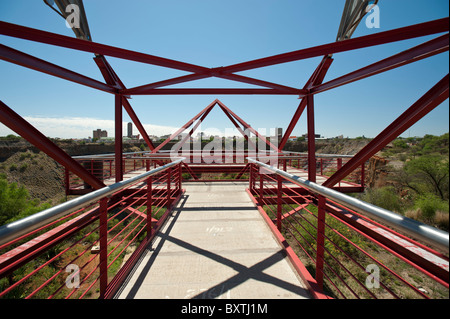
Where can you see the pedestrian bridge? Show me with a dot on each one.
(151, 226)
(271, 234)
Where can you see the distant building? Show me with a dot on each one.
(279, 132)
(97, 134)
(130, 130)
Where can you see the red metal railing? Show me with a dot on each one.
(205, 167)
(327, 165)
(348, 254)
(84, 248)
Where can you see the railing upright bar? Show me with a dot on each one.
(320, 250)
(279, 197)
(149, 206)
(169, 176)
(103, 263)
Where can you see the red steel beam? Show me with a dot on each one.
(245, 79)
(182, 79)
(219, 91)
(311, 139)
(316, 78)
(185, 126)
(118, 138)
(31, 62)
(251, 129)
(422, 51)
(434, 97)
(31, 34)
(112, 79)
(145, 89)
(205, 114)
(16, 123)
(127, 106)
(238, 127)
(409, 32)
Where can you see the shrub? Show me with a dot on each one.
(429, 204)
(384, 197)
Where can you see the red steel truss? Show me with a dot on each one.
(164, 187)
(313, 86)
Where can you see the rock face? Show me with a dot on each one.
(376, 172)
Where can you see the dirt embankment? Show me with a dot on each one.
(43, 177)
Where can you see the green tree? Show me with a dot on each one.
(15, 202)
(429, 173)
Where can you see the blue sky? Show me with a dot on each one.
(219, 33)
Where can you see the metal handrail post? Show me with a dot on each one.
(103, 241)
(320, 249)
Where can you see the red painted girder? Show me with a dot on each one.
(311, 139)
(245, 79)
(118, 142)
(127, 106)
(238, 127)
(199, 122)
(16, 123)
(185, 126)
(435, 96)
(112, 79)
(143, 89)
(31, 34)
(409, 32)
(251, 129)
(218, 91)
(316, 78)
(422, 51)
(31, 62)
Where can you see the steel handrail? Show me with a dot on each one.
(25, 225)
(321, 155)
(428, 234)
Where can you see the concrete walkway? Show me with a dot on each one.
(216, 245)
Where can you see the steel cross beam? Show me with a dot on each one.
(112, 79)
(238, 127)
(149, 88)
(409, 32)
(199, 122)
(31, 62)
(220, 91)
(185, 126)
(100, 49)
(422, 51)
(16, 123)
(118, 142)
(31, 34)
(251, 129)
(434, 97)
(316, 78)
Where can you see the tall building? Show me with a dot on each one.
(130, 130)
